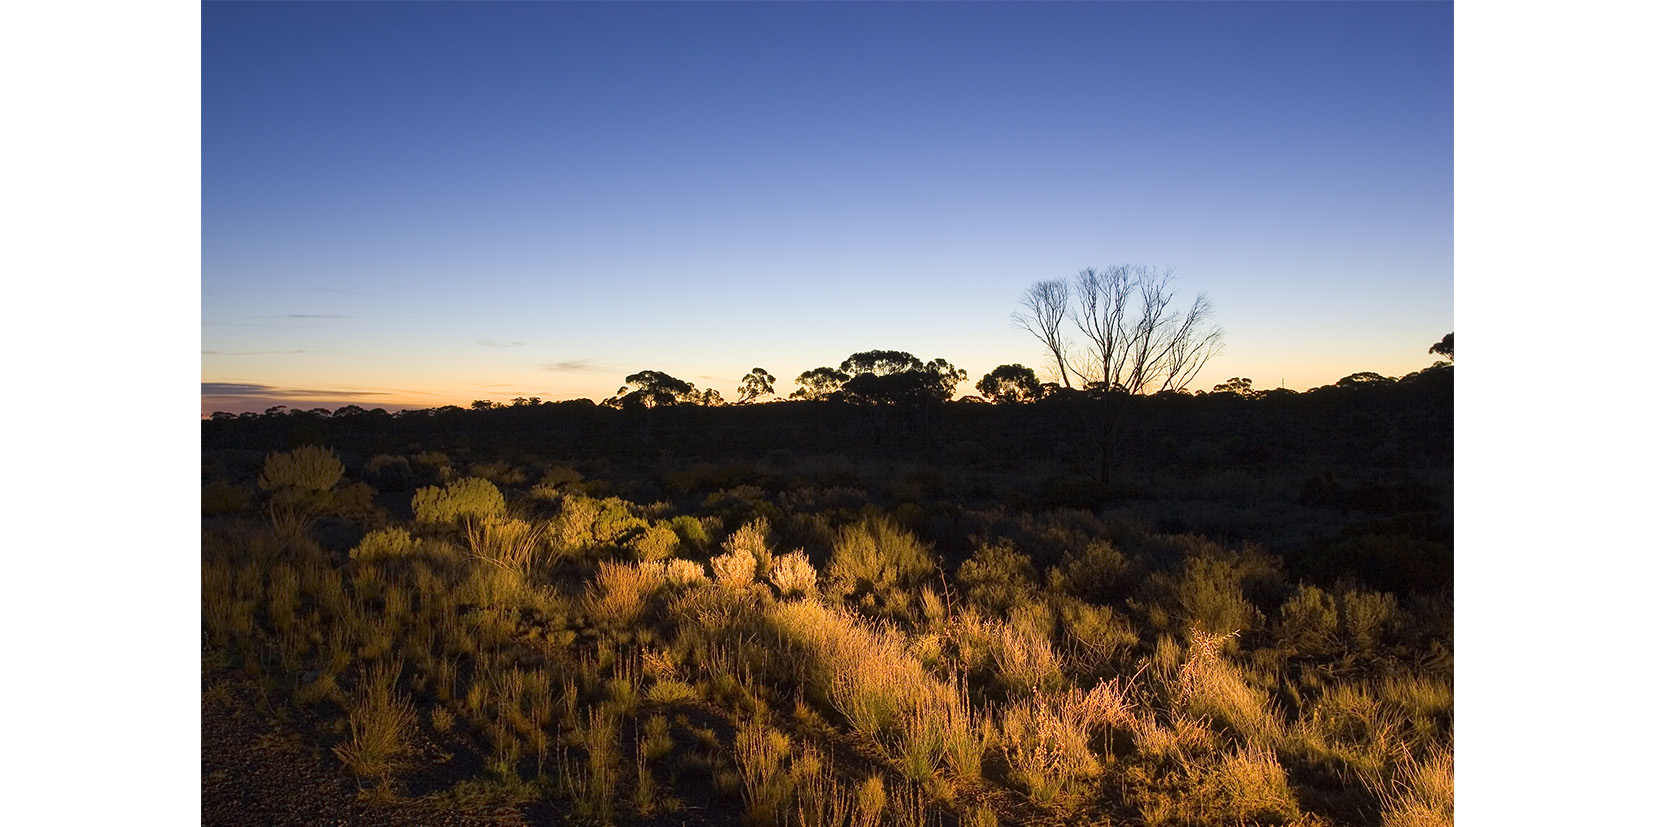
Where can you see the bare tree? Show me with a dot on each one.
(1138, 343)
(1133, 340)
(1047, 304)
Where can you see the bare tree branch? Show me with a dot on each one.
(1047, 304)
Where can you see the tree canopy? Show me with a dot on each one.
(1443, 347)
(653, 389)
(1011, 383)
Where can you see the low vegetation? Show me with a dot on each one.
(789, 643)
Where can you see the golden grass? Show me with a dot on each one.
(380, 720)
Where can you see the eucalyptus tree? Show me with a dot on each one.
(1010, 383)
(755, 385)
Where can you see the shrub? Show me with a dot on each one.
(874, 558)
(1048, 752)
(306, 468)
(384, 542)
(657, 542)
(390, 473)
(553, 478)
(509, 544)
(735, 569)
(1308, 622)
(1365, 616)
(690, 531)
(681, 572)
(1024, 656)
(1096, 574)
(793, 575)
(765, 783)
(1421, 794)
(467, 499)
(996, 577)
(500, 473)
(1093, 635)
(753, 538)
(1209, 597)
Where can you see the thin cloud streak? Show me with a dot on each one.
(492, 343)
(253, 390)
(572, 366)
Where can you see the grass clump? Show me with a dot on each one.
(380, 721)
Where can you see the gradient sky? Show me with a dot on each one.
(419, 204)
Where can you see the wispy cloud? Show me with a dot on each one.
(257, 391)
(315, 316)
(492, 343)
(572, 366)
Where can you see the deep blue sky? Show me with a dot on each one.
(425, 203)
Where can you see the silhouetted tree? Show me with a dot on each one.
(898, 378)
(1047, 304)
(756, 384)
(820, 383)
(1235, 385)
(1443, 347)
(880, 363)
(1011, 383)
(653, 389)
(1363, 379)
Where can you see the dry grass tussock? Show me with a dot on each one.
(1421, 791)
(380, 720)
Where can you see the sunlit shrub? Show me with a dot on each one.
(467, 499)
(1024, 657)
(380, 721)
(681, 572)
(1309, 622)
(1209, 687)
(384, 542)
(657, 542)
(1365, 616)
(1048, 753)
(1209, 597)
(792, 575)
(1421, 792)
(499, 473)
(306, 468)
(735, 569)
(874, 558)
(753, 538)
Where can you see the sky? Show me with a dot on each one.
(421, 204)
